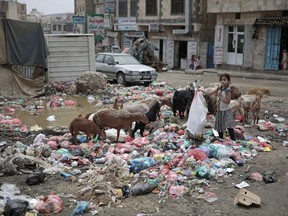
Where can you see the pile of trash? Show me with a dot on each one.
(143, 51)
(166, 162)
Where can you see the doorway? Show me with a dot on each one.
(235, 46)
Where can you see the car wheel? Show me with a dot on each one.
(121, 79)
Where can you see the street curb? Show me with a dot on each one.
(241, 74)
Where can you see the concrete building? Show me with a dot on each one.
(12, 9)
(82, 8)
(52, 23)
(179, 28)
(251, 34)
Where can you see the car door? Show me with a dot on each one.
(109, 67)
(99, 65)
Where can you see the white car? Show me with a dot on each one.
(124, 68)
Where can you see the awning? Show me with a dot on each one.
(271, 21)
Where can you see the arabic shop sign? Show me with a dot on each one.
(95, 25)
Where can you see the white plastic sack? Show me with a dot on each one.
(197, 115)
(111, 134)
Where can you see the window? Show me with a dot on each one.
(123, 12)
(151, 7)
(133, 8)
(108, 60)
(177, 7)
(99, 58)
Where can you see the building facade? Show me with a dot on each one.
(53, 23)
(179, 28)
(251, 34)
(12, 9)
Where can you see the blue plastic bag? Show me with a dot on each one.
(140, 164)
(80, 209)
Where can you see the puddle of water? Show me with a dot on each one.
(63, 116)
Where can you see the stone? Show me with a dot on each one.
(90, 81)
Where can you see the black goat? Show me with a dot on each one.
(151, 115)
(182, 100)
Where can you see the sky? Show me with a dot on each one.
(49, 6)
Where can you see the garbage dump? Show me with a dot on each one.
(165, 161)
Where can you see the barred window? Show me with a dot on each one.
(133, 8)
(123, 11)
(151, 7)
(177, 7)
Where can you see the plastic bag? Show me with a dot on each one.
(52, 204)
(37, 177)
(16, 207)
(197, 115)
(81, 208)
(140, 164)
(142, 189)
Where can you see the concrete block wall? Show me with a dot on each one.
(228, 6)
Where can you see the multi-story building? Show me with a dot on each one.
(179, 28)
(12, 9)
(251, 34)
(83, 8)
(52, 23)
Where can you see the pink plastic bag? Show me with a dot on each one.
(198, 154)
(51, 204)
(140, 141)
(176, 191)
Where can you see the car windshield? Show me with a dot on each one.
(125, 60)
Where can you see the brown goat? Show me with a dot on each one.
(88, 127)
(250, 102)
(259, 91)
(118, 119)
(116, 104)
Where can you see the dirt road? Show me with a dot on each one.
(179, 78)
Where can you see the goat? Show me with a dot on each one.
(136, 108)
(118, 119)
(258, 91)
(116, 104)
(182, 100)
(250, 102)
(236, 107)
(89, 127)
(212, 100)
(151, 116)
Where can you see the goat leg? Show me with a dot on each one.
(118, 133)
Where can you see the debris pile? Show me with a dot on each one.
(165, 161)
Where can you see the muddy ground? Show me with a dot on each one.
(273, 196)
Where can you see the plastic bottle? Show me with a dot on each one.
(142, 189)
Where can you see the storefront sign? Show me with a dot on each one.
(127, 24)
(154, 27)
(218, 48)
(78, 19)
(110, 6)
(108, 20)
(95, 25)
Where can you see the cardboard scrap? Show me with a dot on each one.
(247, 198)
